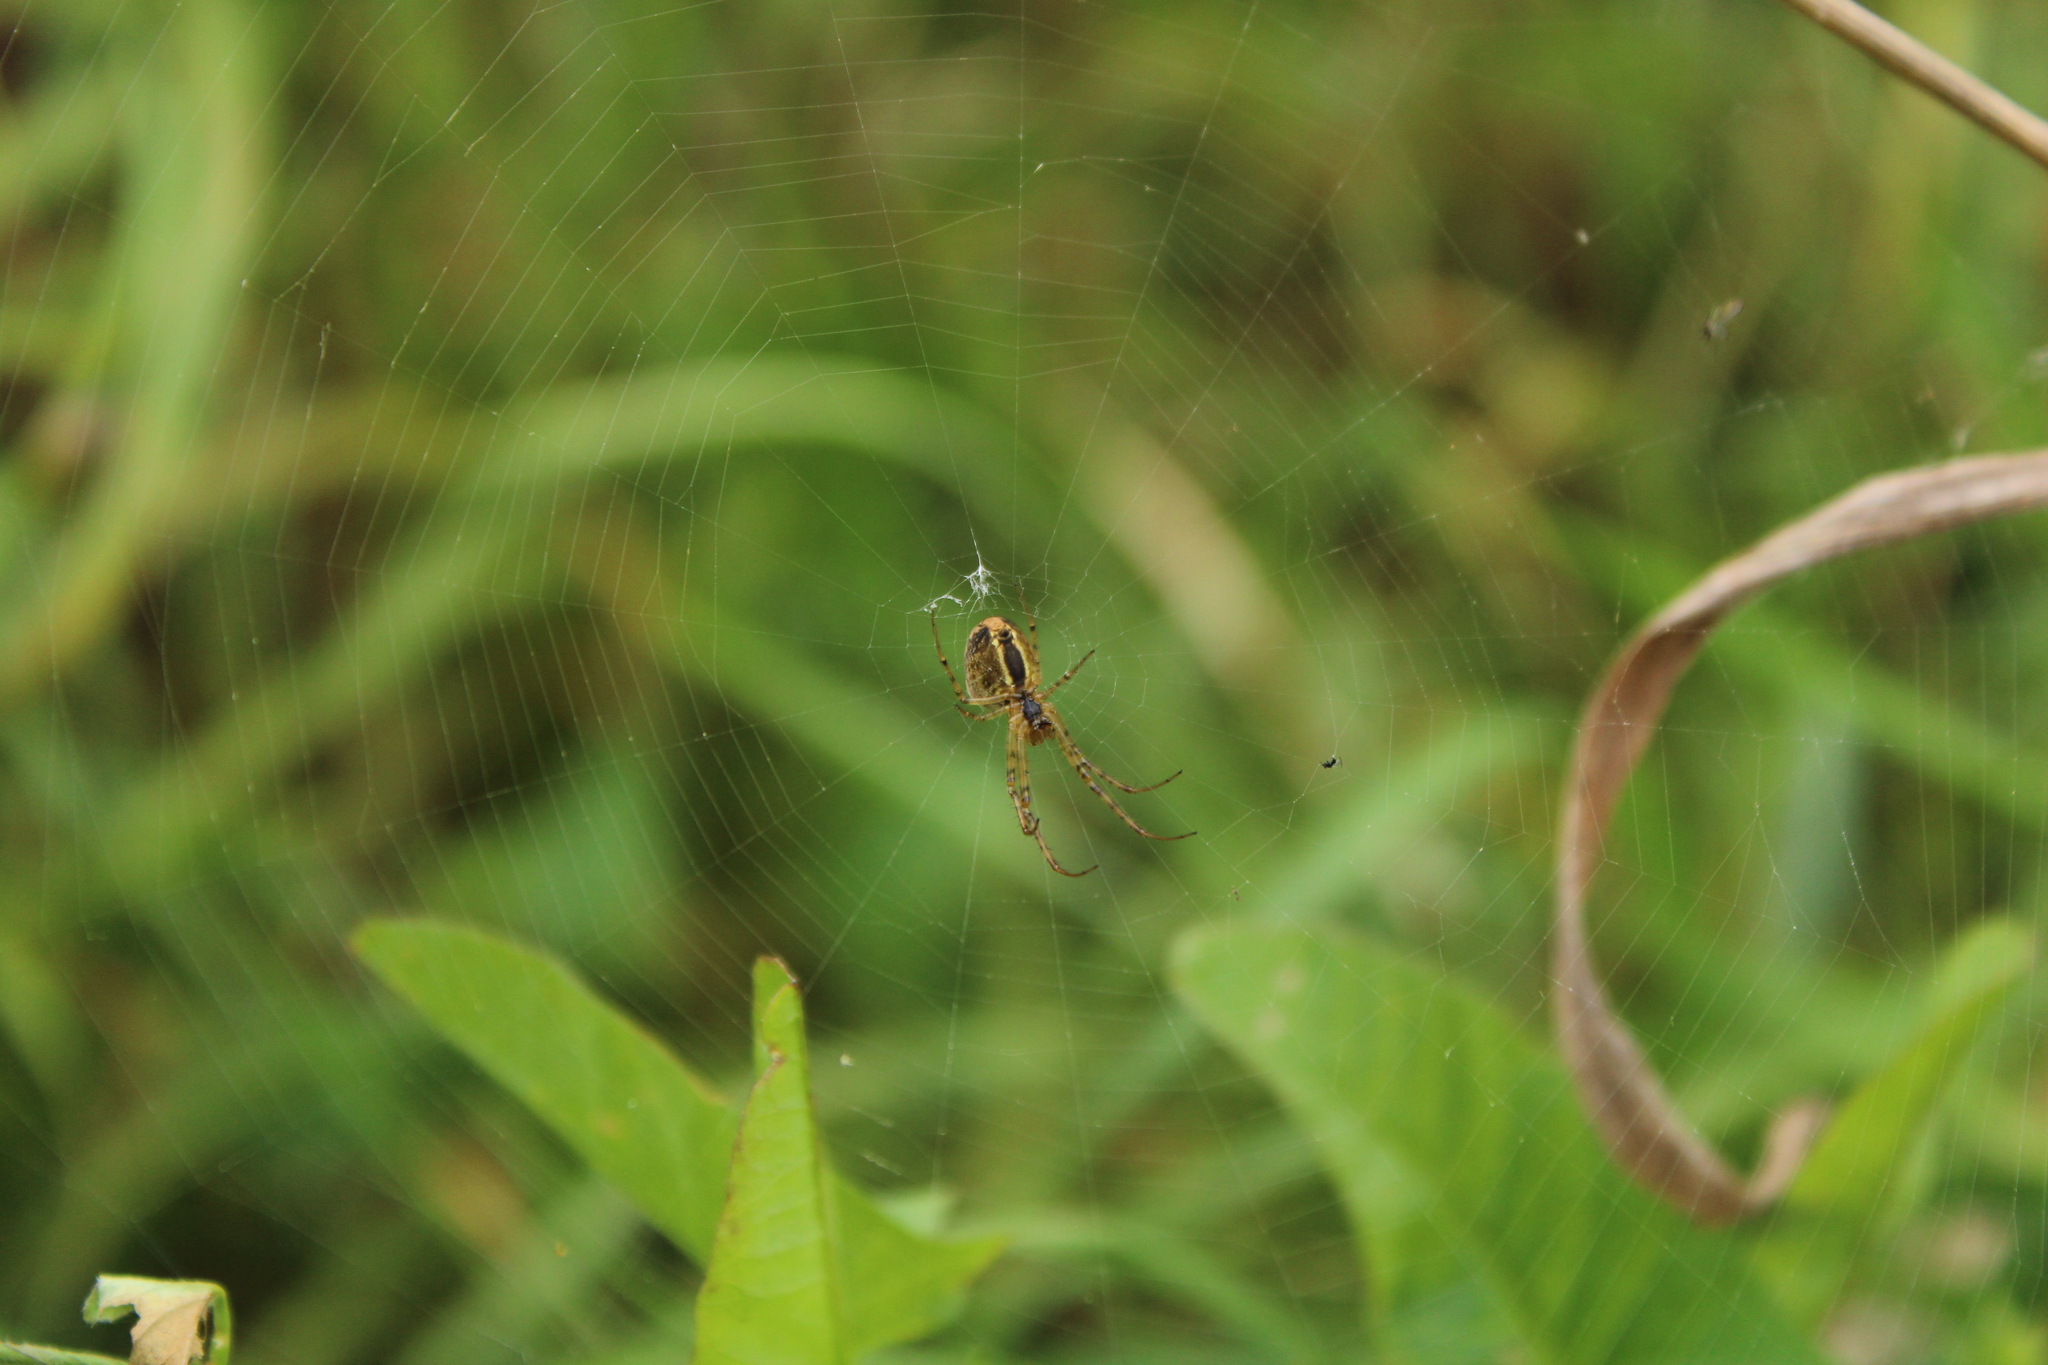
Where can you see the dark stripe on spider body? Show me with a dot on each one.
(1013, 659)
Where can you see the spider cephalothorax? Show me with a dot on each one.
(1003, 677)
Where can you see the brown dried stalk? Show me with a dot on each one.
(1937, 75)
(1644, 1131)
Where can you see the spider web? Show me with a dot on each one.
(601, 398)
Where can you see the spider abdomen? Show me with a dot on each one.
(993, 658)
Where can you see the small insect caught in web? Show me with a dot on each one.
(1333, 762)
(1718, 321)
(1003, 678)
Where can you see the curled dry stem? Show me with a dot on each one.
(1642, 1128)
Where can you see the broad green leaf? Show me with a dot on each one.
(641, 1118)
(900, 1285)
(618, 1097)
(21, 1353)
(772, 1293)
(1426, 1302)
(1858, 1158)
(1372, 1051)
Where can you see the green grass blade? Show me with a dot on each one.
(772, 1294)
(450, 586)
(456, 575)
(778, 400)
(194, 123)
(1177, 1268)
(1348, 849)
(1369, 1050)
(52, 145)
(1856, 1163)
(886, 744)
(508, 1317)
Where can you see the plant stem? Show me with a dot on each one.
(1905, 56)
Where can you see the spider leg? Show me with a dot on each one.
(1018, 773)
(1073, 752)
(1063, 678)
(1088, 772)
(1126, 787)
(1030, 616)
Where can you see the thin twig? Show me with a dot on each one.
(1905, 56)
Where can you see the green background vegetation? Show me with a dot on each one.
(491, 461)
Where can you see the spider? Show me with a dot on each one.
(1003, 676)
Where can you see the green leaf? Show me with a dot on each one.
(609, 1090)
(1379, 1058)
(641, 1118)
(772, 1292)
(21, 1353)
(1855, 1165)
(900, 1285)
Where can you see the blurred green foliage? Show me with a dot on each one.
(492, 460)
